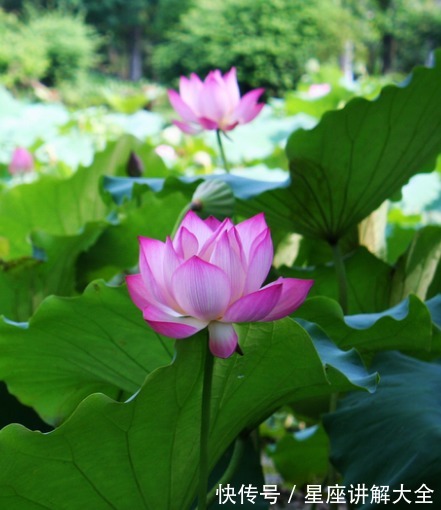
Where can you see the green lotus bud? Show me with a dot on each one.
(135, 166)
(213, 198)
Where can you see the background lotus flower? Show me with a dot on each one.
(214, 103)
(317, 90)
(21, 161)
(210, 275)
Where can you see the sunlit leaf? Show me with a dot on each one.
(73, 347)
(25, 282)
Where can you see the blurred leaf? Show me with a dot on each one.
(243, 188)
(301, 102)
(149, 445)
(142, 124)
(434, 306)
(374, 285)
(113, 160)
(128, 103)
(60, 207)
(149, 214)
(417, 267)
(435, 286)
(302, 457)
(369, 281)
(392, 437)
(397, 240)
(73, 347)
(27, 281)
(256, 140)
(313, 252)
(54, 206)
(248, 473)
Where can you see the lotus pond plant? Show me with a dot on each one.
(126, 418)
(211, 275)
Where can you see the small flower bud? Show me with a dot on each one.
(214, 198)
(135, 166)
(21, 161)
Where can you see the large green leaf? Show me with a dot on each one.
(356, 158)
(72, 347)
(394, 436)
(144, 453)
(406, 327)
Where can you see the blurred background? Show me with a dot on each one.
(78, 74)
(79, 45)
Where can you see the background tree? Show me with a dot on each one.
(269, 42)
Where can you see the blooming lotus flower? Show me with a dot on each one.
(214, 103)
(210, 275)
(21, 161)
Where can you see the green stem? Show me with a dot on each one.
(221, 148)
(180, 218)
(341, 277)
(239, 447)
(332, 473)
(205, 428)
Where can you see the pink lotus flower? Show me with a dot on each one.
(210, 275)
(317, 90)
(21, 161)
(214, 103)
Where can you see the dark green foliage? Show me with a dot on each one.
(393, 437)
(418, 32)
(22, 53)
(70, 45)
(269, 42)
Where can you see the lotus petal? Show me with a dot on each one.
(223, 339)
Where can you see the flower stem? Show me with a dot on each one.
(180, 218)
(205, 428)
(239, 447)
(341, 277)
(221, 149)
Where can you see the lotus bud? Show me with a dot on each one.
(213, 198)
